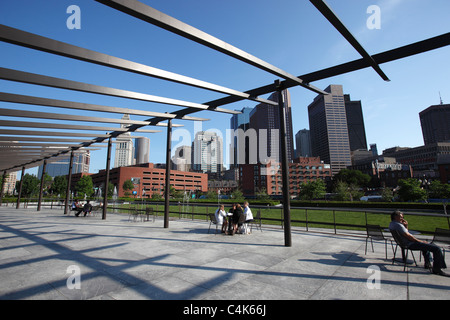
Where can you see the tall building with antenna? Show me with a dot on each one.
(124, 155)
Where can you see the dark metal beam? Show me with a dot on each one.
(380, 58)
(46, 125)
(36, 42)
(146, 13)
(38, 101)
(328, 13)
(69, 181)
(105, 188)
(37, 79)
(167, 190)
(284, 167)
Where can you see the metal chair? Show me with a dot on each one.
(149, 212)
(400, 243)
(212, 220)
(441, 236)
(256, 221)
(374, 232)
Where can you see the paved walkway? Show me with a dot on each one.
(42, 254)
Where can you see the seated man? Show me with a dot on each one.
(77, 207)
(400, 225)
(87, 208)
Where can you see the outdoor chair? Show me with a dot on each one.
(95, 210)
(135, 214)
(149, 211)
(256, 221)
(212, 220)
(399, 241)
(441, 236)
(374, 232)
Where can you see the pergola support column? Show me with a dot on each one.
(105, 188)
(167, 189)
(284, 167)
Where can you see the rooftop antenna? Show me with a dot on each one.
(440, 98)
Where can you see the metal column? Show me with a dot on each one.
(2, 191)
(105, 188)
(44, 167)
(69, 180)
(20, 188)
(167, 190)
(284, 167)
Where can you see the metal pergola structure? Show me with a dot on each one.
(24, 152)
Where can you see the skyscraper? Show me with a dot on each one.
(265, 120)
(124, 155)
(142, 150)
(60, 167)
(355, 124)
(207, 152)
(239, 121)
(303, 144)
(328, 129)
(435, 122)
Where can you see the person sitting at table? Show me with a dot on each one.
(248, 217)
(238, 217)
(76, 207)
(87, 208)
(221, 217)
(400, 225)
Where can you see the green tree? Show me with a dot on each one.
(438, 190)
(312, 190)
(237, 195)
(387, 194)
(346, 192)
(59, 186)
(353, 177)
(85, 186)
(262, 195)
(410, 190)
(128, 186)
(30, 185)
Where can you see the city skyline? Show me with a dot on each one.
(388, 108)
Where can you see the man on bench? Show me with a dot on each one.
(76, 207)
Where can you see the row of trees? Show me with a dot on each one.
(55, 186)
(348, 185)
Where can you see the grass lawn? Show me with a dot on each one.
(317, 218)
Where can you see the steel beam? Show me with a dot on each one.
(167, 190)
(146, 13)
(41, 186)
(329, 14)
(38, 101)
(52, 133)
(59, 116)
(105, 189)
(19, 196)
(37, 79)
(284, 167)
(36, 42)
(69, 181)
(46, 125)
(355, 65)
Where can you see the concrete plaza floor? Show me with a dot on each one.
(44, 255)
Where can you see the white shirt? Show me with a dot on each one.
(220, 214)
(248, 213)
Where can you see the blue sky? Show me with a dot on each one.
(290, 34)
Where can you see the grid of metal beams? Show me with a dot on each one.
(22, 152)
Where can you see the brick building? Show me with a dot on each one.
(148, 180)
(253, 178)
